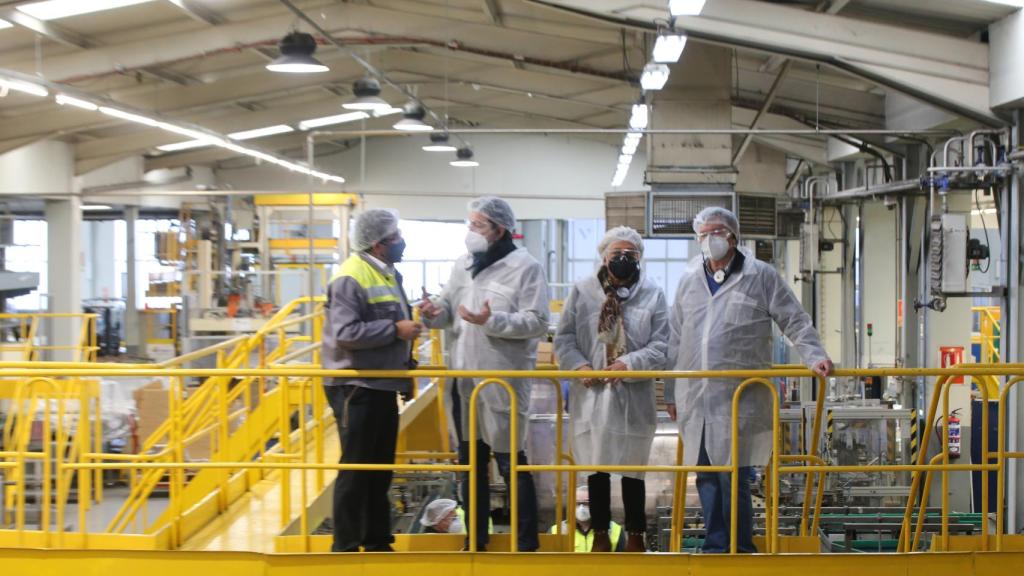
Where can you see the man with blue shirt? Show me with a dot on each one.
(722, 320)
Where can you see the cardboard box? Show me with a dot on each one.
(151, 409)
(545, 353)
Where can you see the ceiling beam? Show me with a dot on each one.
(198, 12)
(492, 11)
(774, 61)
(947, 72)
(768, 99)
(54, 32)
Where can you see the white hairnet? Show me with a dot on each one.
(437, 511)
(720, 215)
(621, 234)
(496, 210)
(373, 226)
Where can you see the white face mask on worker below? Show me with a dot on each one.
(475, 242)
(714, 247)
(456, 526)
(583, 513)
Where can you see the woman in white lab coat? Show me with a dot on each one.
(616, 319)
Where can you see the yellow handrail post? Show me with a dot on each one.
(771, 525)
(678, 501)
(513, 481)
(915, 482)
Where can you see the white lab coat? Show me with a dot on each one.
(518, 293)
(731, 330)
(613, 424)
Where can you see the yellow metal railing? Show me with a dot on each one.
(297, 390)
(26, 332)
(988, 335)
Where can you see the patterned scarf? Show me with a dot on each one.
(611, 330)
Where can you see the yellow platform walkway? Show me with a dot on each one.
(252, 523)
(104, 563)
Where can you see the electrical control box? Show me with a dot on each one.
(948, 253)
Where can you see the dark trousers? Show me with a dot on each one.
(634, 495)
(368, 427)
(715, 493)
(527, 523)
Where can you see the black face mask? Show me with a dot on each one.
(623, 267)
(395, 251)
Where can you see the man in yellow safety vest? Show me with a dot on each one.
(584, 541)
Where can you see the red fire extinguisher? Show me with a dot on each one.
(952, 435)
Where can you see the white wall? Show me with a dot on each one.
(878, 225)
(1006, 59)
(541, 176)
(38, 168)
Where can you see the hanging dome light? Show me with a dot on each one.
(412, 118)
(439, 143)
(464, 158)
(367, 90)
(296, 56)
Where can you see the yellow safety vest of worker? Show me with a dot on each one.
(379, 287)
(462, 516)
(585, 542)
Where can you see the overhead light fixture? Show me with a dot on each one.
(1014, 3)
(625, 158)
(464, 158)
(388, 112)
(129, 116)
(5, 24)
(439, 143)
(367, 92)
(24, 87)
(685, 7)
(55, 9)
(654, 76)
(261, 132)
(329, 120)
(186, 145)
(668, 49)
(69, 101)
(629, 147)
(638, 118)
(95, 207)
(296, 57)
(412, 119)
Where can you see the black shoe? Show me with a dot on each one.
(379, 548)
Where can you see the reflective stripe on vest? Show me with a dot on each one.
(379, 287)
(585, 542)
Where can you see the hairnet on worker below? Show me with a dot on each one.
(720, 215)
(372, 226)
(621, 234)
(437, 511)
(496, 210)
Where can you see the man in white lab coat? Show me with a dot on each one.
(722, 320)
(497, 300)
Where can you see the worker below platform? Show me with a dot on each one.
(615, 320)
(722, 320)
(443, 516)
(584, 540)
(497, 301)
(367, 326)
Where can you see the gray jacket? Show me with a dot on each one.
(360, 334)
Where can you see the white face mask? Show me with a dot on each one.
(456, 526)
(583, 513)
(714, 247)
(475, 242)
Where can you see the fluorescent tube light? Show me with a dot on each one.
(335, 119)
(668, 49)
(54, 9)
(261, 132)
(654, 76)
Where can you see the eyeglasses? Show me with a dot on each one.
(478, 225)
(717, 232)
(634, 254)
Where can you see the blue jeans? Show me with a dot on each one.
(715, 493)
